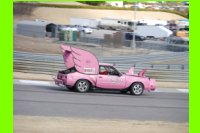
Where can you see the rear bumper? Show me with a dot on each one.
(58, 82)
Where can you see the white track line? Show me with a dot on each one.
(183, 90)
(32, 82)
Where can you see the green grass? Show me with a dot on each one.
(108, 8)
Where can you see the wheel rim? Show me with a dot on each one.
(137, 89)
(82, 86)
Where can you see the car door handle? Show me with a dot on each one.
(100, 76)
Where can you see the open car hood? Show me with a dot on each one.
(84, 61)
(140, 74)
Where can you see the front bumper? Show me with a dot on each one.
(152, 84)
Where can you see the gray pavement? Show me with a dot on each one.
(58, 101)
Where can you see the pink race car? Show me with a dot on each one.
(85, 72)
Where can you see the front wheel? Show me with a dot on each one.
(82, 86)
(137, 89)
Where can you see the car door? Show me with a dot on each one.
(110, 78)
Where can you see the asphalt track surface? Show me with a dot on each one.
(36, 100)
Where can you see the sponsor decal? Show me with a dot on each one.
(89, 70)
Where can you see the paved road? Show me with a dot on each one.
(57, 101)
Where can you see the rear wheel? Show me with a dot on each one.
(137, 89)
(82, 86)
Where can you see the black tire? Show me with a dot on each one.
(137, 89)
(82, 86)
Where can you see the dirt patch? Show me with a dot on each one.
(30, 76)
(39, 45)
(172, 85)
(37, 124)
(66, 3)
(52, 46)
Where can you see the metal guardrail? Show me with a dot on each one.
(51, 63)
(135, 59)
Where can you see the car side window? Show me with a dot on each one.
(108, 70)
(112, 71)
(103, 70)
